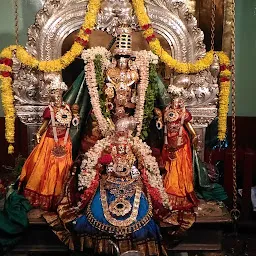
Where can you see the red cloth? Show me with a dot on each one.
(47, 113)
(188, 116)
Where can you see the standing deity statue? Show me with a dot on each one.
(47, 167)
(122, 195)
(122, 77)
(118, 95)
(177, 158)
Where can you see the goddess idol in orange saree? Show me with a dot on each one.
(46, 169)
(177, 160)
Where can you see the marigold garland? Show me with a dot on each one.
(9, 111)
(224, 80)
(155, 46)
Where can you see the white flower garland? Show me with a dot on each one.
(151, 165)
(90, 54)
(140, 149)
(152, 58)
(143, 58)
(88, 166)
(142, 62)
(94, 95)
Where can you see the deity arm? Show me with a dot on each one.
(42, 129)
(192, 133)
(158, 112)
(111, 80)
(159, 122)
(134, 76)
(131, 83)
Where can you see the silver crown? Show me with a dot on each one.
(123, 41)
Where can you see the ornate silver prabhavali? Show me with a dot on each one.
(170, 18)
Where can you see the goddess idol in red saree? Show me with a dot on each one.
(177, 160)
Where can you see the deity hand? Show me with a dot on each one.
(195, 141)
(38, 137)
(41, 130)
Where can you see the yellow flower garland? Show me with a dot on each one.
(225, 76)
(155, 46)
(47, 66)
(7, 101)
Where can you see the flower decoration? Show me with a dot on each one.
(82, 40)
(88, 179)
(7, 100)
(225, 76)
(105, 159)
(155, 46)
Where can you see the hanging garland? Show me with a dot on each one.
(225, 76)
(100, 82)
(150, 98)
(155, 46)
(81, 41)
(7, 100)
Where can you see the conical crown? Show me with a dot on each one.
(123, 41)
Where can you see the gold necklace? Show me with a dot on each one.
(124, 180)
(114, 221)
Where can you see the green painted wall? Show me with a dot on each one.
(245, 44)
(246, 57)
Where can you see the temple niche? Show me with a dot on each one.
(117, 96)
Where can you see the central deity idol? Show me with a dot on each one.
(122, 76)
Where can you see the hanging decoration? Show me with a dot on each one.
(225, 76)
(155, 46)
(82, 40)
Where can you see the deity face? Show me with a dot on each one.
(56, 97)
(75, 109)
(123, 63)
(135, 172)
(110, 168)
(177, 103)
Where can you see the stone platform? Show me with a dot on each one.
(205, 236)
